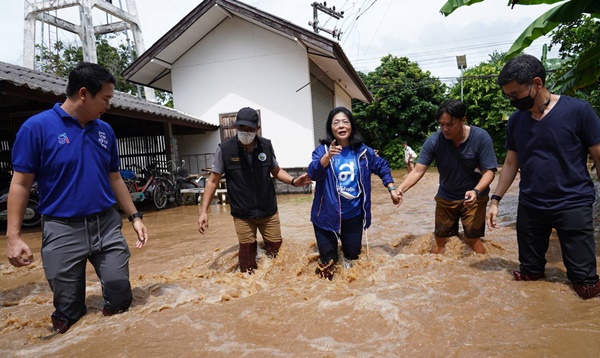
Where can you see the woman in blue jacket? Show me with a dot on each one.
(341, 167)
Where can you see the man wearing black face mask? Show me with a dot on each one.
(248, 161)
(548, 139)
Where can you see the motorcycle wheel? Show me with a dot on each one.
(32, 217)
(179, 197)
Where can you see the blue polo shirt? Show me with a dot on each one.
(71, 164)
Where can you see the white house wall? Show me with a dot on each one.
(240, 64)
(342, 98)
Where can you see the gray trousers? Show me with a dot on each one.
(66, 247)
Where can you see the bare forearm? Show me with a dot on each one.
(507, 176)
(486, 179)
(123, 198)
(411, 179)
(209, 191)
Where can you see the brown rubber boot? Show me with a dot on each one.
(587, 291)
(326, 270)
(272, 248)
(247, 257)
(59, 325)
(519, 276)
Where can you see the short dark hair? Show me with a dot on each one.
(523, 69)
(89, 75)
(355, 138)
(454, 107)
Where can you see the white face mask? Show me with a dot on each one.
(246, 137)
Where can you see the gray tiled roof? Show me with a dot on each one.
(47, 83)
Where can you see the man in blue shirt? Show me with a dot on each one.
(466, 163)
(548, 140)
(73, 156)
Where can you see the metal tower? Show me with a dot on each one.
(126, 20)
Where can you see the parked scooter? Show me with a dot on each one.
(183, 180)
(32, 217)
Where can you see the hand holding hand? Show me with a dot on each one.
(396, 197)
(302, 180)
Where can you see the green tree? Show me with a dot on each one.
(405, 99)
(486, 108)
(63, 58)
(572, 39)
(585, 70)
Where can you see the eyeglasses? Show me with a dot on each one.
(513, 97)
(339, 123)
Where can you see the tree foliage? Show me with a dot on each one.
(584, 70)
(62, 59)
(486, 108)
(573, 39)
(405, 99)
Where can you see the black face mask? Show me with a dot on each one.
(525, 103)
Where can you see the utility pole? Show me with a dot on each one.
(329, 11)
(461, 62)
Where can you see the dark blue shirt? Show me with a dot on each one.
(552, 154)
(71, 164)
(477, 152)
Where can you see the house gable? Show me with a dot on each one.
(153, 67)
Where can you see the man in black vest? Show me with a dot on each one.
(248, 161)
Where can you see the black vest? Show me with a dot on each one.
(249, 185)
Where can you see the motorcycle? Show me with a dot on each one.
(32, 217)
(184, 181)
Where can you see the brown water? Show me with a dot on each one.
(399, 301)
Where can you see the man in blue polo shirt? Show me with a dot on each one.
(73, 156)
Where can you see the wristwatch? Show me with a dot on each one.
(135, 215)
(477, 192)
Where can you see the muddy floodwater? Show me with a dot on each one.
(398, 300)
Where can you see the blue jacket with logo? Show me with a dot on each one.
(326, 208)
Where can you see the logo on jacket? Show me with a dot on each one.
(62, 138)
(262, 157)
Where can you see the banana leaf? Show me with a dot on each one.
(564, 13)
(585, 72)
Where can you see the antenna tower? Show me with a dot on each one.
(127, 20)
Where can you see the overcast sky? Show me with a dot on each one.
(370, 29)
